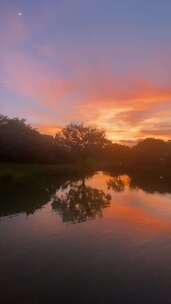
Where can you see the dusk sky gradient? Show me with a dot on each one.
(103, 62)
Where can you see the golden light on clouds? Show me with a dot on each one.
(128, 107)
(48, 129)
(117, 85)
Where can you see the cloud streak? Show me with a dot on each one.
(128, 104)
(121, 106)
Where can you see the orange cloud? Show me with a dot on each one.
(123, 112)
(127, 107)
(49, 129)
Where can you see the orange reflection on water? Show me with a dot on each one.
(151, 212)
(137, 216)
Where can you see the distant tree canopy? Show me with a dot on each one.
(152, 152)
(19, 142)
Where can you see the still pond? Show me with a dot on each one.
(102, 238)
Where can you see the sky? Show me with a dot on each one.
(105, 63)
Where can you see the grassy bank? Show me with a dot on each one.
(14, 172)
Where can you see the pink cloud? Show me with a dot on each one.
(127, 106)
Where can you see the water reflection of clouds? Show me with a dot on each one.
(118, 200)
(80, 202)
(121, 198)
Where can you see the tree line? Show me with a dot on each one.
(77, 144)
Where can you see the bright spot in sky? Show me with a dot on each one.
(20, 14)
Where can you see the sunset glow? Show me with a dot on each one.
(105, 64)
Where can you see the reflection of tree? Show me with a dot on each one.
(28, 196)
(118, 183)
(149, 181)
(78, 202)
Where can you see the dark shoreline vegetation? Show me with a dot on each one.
(77, 149)
(33, 166)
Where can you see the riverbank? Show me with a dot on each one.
(19, 172)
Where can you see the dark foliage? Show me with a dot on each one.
(151, 153)
(78, 144)
(19, 142)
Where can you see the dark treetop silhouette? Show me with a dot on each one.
(78, 144)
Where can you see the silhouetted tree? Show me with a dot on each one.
(19, 142)
(78, 144)
(83, 142)
(150, 152)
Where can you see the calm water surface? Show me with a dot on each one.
(99, 239)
